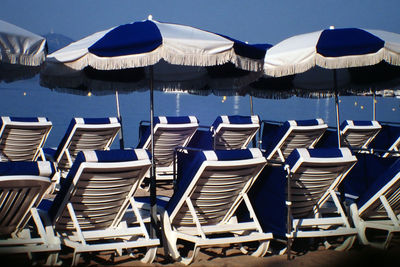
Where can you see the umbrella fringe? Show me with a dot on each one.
(27, 60)
(172, 57)
(335, 63)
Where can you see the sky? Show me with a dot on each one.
(254, 21)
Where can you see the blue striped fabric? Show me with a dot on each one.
(296, 155)
(355, 123)
(346, 42)
(235, 119)
(22, 119)
(39, 168)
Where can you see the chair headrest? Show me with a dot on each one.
(108, 120)
(311, 122)
(322, 155)
(225, 155)
(38, 168)
(6, 119)
(236, 119)
(175, 119)
(364, 124)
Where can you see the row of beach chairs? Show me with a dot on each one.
(240, 192)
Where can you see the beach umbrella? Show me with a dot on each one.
(136, 52)
(21, 52)
(333, 50)
(358, 50)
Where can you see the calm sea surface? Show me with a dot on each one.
(27, 98)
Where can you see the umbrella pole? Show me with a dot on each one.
(121, 134)
(374, 106)
(337, 108)
(251, 106)
(153, 192)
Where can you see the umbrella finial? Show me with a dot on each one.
(150, 17)
(331, 27)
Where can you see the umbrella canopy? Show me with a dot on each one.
(21, 52)
(144, 50)
(370, 57)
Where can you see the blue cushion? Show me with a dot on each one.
(39, 168)
(355, 123)
(144, 130)
(380, 182)
(386, 137)
(364, 174)
(116, 155)
(71, 126)
(190, 162)
(275, 137)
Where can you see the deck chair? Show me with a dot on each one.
(313, 176)
(169, 133)
(88, 210)
(234, 132)
(279, 141)
(22, 187)
(202, 211)
(359, 134)
(378, 208)
(22, 139)
(83, 134)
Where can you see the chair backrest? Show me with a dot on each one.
(313, 174)
(86, 134)
(22, 139)
(387, 185)
(234, 132)
(169, 132)
(98, 187)
(214, 182)
(291, 135)
(22, 186)
(358, 134)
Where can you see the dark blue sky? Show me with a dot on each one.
(255, 21)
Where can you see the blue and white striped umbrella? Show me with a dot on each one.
(332, 49)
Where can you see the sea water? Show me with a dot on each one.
(27, 98)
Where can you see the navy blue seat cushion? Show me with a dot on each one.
(381, 181)
(144, 129)
(355, 123)
(190, 162)
(274, 135)
(116, 155)
(39, 168)
(366, 171)
(386, 137)
(202, 139)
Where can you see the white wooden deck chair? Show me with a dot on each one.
(83, 134)
(278, 144)
(202, 211)
(22, 187)
(22, 139)
(379, 208)
(359, 134)
(88, 210)
(314, 175)
(169, 133)
(234, 132)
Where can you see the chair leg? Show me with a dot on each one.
(75, 258)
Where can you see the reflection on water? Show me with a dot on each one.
(27, 98)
